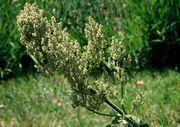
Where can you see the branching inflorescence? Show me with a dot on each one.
(92, 70)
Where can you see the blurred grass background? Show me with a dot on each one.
(150, 31)
(38, 101)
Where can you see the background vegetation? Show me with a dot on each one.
(45, 102)
(150, 31)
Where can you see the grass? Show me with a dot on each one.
(31, 101)
(38, 101)
(162, 98)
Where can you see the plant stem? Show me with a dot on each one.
(99, 113)
(122, 96)
(113, 106)
(117, 109)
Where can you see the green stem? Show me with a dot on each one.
(99, 113)
(113, 106)
(117, 109)
(122, 96)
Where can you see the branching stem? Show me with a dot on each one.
(99, 113)
(128, 119)
(113, 106)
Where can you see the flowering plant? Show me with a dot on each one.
(93, 71)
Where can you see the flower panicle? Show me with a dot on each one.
(53, 50)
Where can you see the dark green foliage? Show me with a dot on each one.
(152, 31)
(164, 34)
(11, 52)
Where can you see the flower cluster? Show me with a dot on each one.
(53, 50)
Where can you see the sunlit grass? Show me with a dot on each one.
(29, 101)
(39, 101)
(162, 98)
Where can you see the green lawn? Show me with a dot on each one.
(38, 101)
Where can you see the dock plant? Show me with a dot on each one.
(94, 71)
